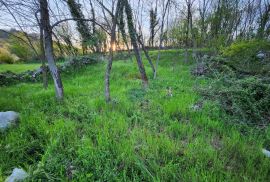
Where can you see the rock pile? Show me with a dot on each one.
(9, 77)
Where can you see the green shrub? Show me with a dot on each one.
(21, 49)
(6, 57)
(244, 100)
(242, 55)
(241, 89)
(246, 49)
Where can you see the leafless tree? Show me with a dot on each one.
(165, 8)
(48, 47)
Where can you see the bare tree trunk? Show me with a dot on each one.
(188, 29)
(43, 57)
(194, 46)
(147, 56)
(187, 41)
(49, 49)
(133, 37)
(140, 64)
(109, 66)
(161, 35)
(42, 52)
(110, 61)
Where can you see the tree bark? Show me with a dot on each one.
(43, 57)
(188, 29)
(42, 52)
(110, 61)
(161, 35)
(133, 37)
(48, 47)
(147, 56)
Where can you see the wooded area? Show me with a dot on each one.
(146, 90)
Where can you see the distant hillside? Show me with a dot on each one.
(12, 49)
(5, 34)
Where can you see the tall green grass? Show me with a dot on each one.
(18, 68)
(140, 136)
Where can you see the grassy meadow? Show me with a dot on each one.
(140, 136)
(18, 68)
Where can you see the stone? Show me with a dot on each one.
(17, 175)
(266, 152)
(8, 119)
(9, 77)
(260, 55)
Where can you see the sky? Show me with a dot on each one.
(59, 10)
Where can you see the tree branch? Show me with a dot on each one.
(78, 19)
(15, 36)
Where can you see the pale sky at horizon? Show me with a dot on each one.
(7, 22)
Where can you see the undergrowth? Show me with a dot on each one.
(140, 136)
(239, 82)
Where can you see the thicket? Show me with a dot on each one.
(239, 82)
(245, 57)
(6, 57)
(21, 49)
(16, 49)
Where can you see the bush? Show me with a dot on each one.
(21, 49)
(242, 56)
(246, 49)
(6, 57)
(244, 100)
(242, 90)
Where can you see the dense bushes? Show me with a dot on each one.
(21, 49)
(242, 56)
(240, 82)
(246, 49)
(6, 57)
(244, 100)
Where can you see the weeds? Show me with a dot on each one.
(142, 136)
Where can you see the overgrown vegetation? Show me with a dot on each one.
(151, 135)
(243, 56)
(202, 115)
(21, 49)
(6, 57)
(15, 49)
(240, 82)
(21, 73)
